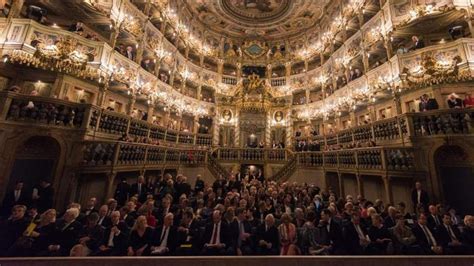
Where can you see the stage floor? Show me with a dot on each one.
(245, 261)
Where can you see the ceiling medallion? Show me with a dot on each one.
(256, 11)
(255, 49)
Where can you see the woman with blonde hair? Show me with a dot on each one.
(288, 236)
(140, 237)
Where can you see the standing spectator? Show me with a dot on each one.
(427, 104)
(454, 101)
(18, 196)
(122, 192)
(468, 100)
(419, 197)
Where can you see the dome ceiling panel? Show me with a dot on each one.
(263, 19)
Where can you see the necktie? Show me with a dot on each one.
(436, 219)
(359, 232)
(17, 195)
(451, 233)
(163, 233)
(429, 236)
(139, 188)
(214, 235)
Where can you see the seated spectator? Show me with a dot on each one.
(140, 238)
(355, 236)
(380, 237)
(268, 237)
(287, 232)
(93, 234)
(216, 237)
(13, 228)
(425, 237)
(164, 238)
(115, 237)
(450, 237)
(68, 230)
(405, 240)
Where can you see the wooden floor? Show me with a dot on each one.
(245, 261)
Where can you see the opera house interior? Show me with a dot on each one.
(253, 131)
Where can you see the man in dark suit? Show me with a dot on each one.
(434, 219)
(164, 238)
(216, 237)
(92, 234)
(12, 228)
(163, 210)
(419, 196)
(18, 196)
(188, 234)
(90, 208)
(425, 237)
(417, 43)
(199, 185)
(122, 192)
(139, 189)
(241, 231)
(268, 239)
(391, 219)
(427, 104)
(104, 219)
(334, 236)
(181, 186)
(115, 239)
(355, 236)
(68, 231)
(450, 237)
(43, 196)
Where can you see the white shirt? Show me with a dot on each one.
(428, 234)
(164, 236)
(110, 243)
(418, 193)
(218, 232)
(17, 194)
(359, 232)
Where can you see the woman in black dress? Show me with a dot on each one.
(140, 238)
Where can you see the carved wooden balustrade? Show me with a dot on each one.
(98, 123)
(252, 155)
(376, 158)
(112, 154)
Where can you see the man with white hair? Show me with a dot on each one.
(68, 231)
(164, 237)
(268, 237)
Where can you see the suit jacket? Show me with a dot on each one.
(122, 192)
(192, 236)
(424, 198)
(444, 237)
(456, 103)
(421, 238)
(352, 240)
(10, 231)
(105, 222)
(143, 193)
(96, 235)
(224, 238)
(431, 104)
(334, 236)
(171, 243)
(9, 200)
(120, 241)
(45, 200)
(270, 236)
(67, 236)
(419, 44)
(389, 222)
(89, 211)
(235, 231)
(431, 223)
